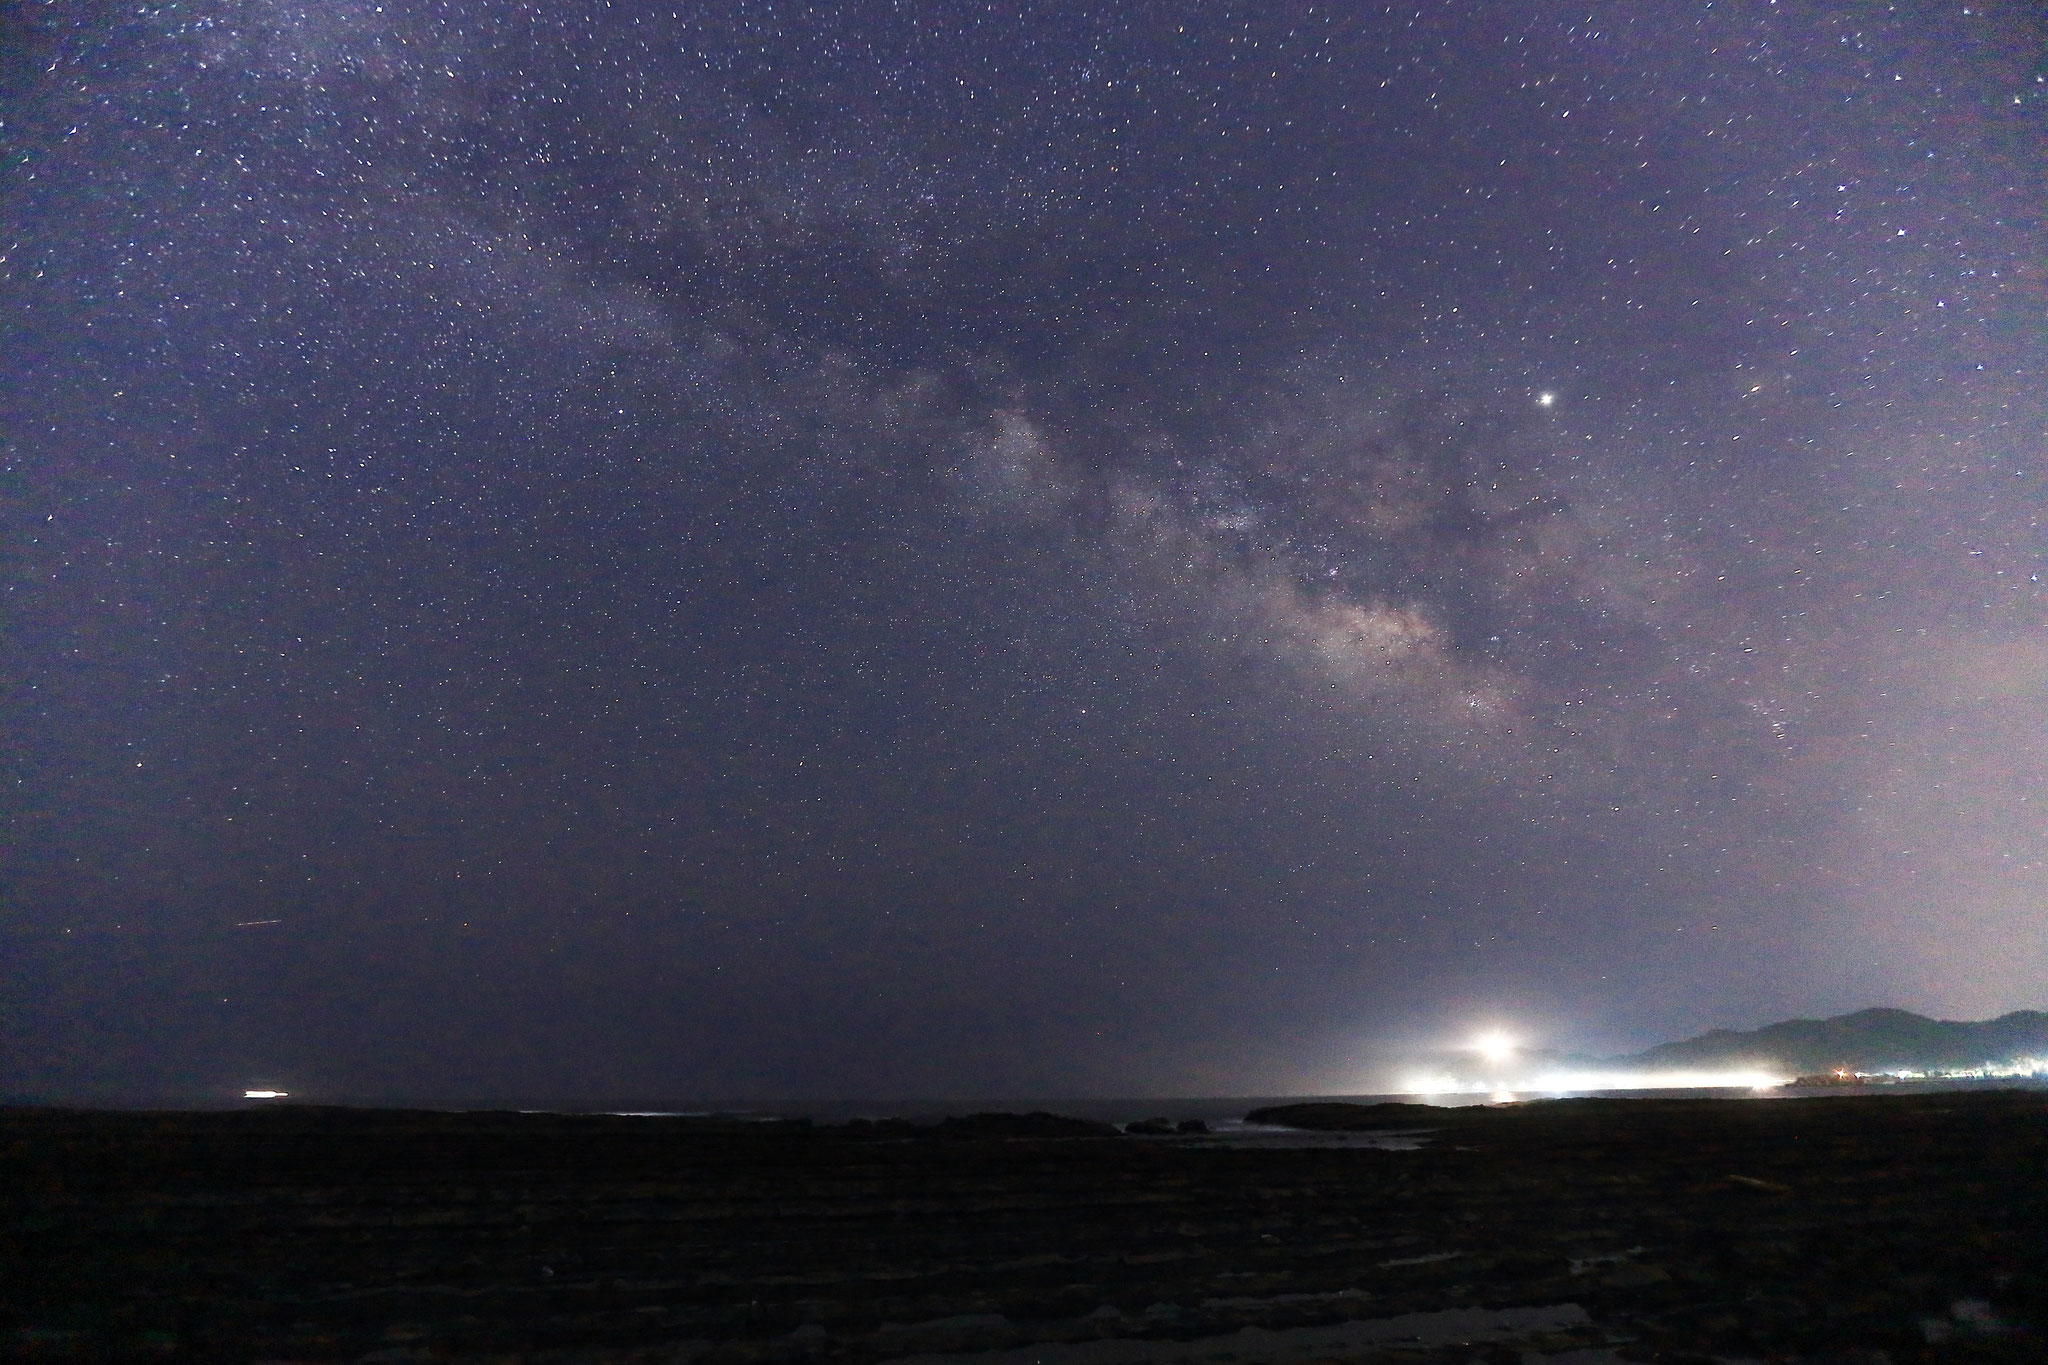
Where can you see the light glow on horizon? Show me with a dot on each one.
(2011, 1069)
(1568, 1082)
(265, 1094)
(1496, 1047)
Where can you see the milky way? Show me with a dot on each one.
(618, 552)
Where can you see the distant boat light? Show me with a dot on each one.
(264, 1094)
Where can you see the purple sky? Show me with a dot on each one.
(583, 553)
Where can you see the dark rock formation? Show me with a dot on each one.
(1036, 1124)
(1863, 1226)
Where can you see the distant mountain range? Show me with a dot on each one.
(1868, 1040)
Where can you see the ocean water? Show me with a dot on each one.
(1225, 1114)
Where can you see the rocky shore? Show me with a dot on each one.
(1853, 1228)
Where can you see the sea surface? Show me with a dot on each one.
(1225, 1115)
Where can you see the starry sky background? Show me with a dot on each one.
(599, 551)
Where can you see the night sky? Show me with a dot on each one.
(599, 551)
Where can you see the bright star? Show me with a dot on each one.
(1544, 400)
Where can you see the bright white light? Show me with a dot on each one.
(1544, 400)
(264, 1094)
(1430, 1085)
(1495, 1047)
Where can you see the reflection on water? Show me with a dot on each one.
(1267, 1136)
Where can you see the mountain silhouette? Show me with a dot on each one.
(1868, 1040)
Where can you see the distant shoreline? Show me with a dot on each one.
(1210, 1109)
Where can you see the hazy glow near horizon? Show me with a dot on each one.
(1496, 1047)
(1562, 1082)
(264, 1094)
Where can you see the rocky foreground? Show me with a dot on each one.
(1896, 1228)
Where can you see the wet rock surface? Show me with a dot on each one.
(1895, 1228)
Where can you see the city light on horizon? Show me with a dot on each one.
(1495, 1046)
(1563, 1082)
